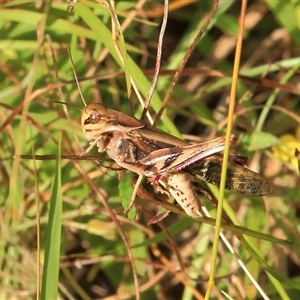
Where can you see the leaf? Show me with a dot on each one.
(53, 242)
(101, 228)
(262, 140)
(125, 191)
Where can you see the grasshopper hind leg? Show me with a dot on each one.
(180, 187)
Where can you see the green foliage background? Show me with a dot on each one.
(35, 71)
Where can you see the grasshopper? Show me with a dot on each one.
(172, 165)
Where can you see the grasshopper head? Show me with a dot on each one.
(93, 120)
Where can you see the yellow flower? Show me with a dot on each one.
(286, 150)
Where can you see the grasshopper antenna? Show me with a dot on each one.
(76, 79)
(67, 104)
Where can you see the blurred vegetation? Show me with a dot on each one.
(36, 71)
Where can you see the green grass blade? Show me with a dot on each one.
(53, 242)
(138, 76)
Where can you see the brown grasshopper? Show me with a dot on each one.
(172, 165)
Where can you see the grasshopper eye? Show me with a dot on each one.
(94, 117)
